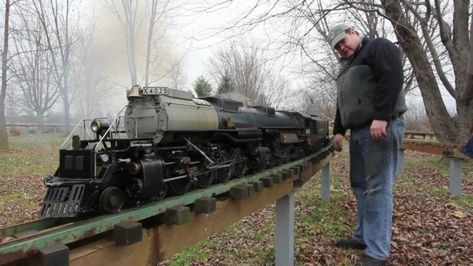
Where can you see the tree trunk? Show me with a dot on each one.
(67, 117)
(132, 56)
(67, 103)
(464, 121)
(444, 126)
(467, 97)
(148, 44)
(130, 31)
(3, 127)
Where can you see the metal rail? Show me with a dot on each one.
(37, 225)
(420, 135)
(68, 233)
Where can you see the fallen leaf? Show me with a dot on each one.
(459, 214)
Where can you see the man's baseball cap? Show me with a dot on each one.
(337, 33)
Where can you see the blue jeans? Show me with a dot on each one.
(373, 167)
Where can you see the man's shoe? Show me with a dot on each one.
(350, 243)
(366, 260)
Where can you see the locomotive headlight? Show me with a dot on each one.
(95, 126)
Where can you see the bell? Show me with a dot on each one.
(135, 92)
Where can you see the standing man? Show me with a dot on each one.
(370, 102)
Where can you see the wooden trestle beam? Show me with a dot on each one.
(165, 241)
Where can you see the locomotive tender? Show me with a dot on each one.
(168, 142)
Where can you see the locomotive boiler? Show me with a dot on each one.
(166, 142)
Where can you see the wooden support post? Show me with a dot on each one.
(286, 174)
(239, 192)
(301, 173)
(284, 246)
(127, 233)
(251, 189)
(277, 178)
(295, 172)
(54, 255)
(205, 205)
(306, 173)
(177, 215)
(258, 185)
(455, 177)
(267, 182)
(311, 169)
(315, 165)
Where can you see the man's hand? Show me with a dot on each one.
(337, 142)
(378, 129)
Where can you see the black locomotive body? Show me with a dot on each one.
(168, 143)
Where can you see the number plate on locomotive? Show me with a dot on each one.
(155, 90)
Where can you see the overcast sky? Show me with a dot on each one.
(191, 35)
(199, 35)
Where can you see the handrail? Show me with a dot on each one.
(109, 128)
(72, 132)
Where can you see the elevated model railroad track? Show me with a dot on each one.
(433, 146)
(427, 142)
(415, 135)
(26, 240)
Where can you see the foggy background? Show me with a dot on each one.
(73, 59)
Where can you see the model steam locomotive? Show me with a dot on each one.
(168, 142)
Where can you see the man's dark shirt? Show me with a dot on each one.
(384, 59)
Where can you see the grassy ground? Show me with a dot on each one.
(430, 226)
(31, 157)
(30, 154)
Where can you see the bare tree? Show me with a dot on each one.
(306, 27)
(457, 41)
(250, 74)
(88, 76)
(416, 118)
(32, 69)
(320, 100)
(126, 12)
(434, 35)
(157, 11)
(319, 66)
(60, 32)
(177, 76)
(3, 128)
